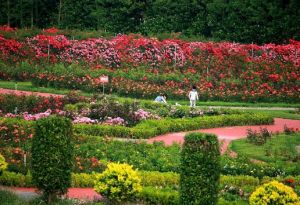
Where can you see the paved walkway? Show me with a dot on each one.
(87, 194)
(227, 134)
(19, 92)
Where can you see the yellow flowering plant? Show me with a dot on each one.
(118, 183)
(274, 193)
(3, 164)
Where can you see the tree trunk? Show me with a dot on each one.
(8, 13)
(32, 3)
(21, 13)
(59, 13)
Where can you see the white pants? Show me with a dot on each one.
(192, 103)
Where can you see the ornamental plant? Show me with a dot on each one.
(119, 183)
(200, 169)
(52, 156)
(3, 164)
(273, 193)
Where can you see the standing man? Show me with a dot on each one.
(193, 95)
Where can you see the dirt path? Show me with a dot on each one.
(227, 134)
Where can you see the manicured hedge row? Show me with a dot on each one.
(151, 128)
(149, 179)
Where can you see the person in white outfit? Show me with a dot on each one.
(193, 95)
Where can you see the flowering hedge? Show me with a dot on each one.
(221, 71)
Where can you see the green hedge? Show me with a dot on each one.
(151, 128)
(200, 169)
(52, 155)
(163, 196)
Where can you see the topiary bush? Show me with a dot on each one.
(3, 164)
(52, 156)
(273, 193)
(200, 169)
(118, 183)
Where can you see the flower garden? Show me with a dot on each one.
(101, 141)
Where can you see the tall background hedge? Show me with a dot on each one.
(199, 169)
(236, 20)
(52, 156)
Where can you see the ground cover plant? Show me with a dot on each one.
(280, 150)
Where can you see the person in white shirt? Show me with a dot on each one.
(162, 98)
(193, 96)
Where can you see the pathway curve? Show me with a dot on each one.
(87, 194)
(227, 134)
(19, 92)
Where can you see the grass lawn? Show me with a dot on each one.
(279, 148)
(27, 86)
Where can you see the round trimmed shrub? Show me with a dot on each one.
(52, 156)
(3, 164)
(200, 169)
(119, 182)
(273, 193)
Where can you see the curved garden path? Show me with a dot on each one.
(87, 194)
(227, 134)
(19, 92)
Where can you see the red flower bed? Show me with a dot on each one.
(221, 71)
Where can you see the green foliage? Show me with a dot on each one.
(16, 179)
(160, 179)
(200, 169)
(280, 151)
(251, 21)
(151, 128)
(119, 183)
(144, 156)
(258, 138)
(52, 155)
(273, 193)
(3, 164)
(156, 195)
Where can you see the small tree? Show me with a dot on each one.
(52, 156)
(200, 169)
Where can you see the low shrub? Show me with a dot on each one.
(119, 182)
(163, 196)
(200, 169)
(16, 179)
(160, 179)
(258, 138)
(273, 193)
(151, 128)
(3, 164)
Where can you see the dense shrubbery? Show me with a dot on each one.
(151, 128)
(200, 169)
(143, 67)
(273, 193)
(119, 183)
(32, 104)
(52, 156)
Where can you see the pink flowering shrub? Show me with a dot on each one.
(37, 116)
(85, 120)
(114, 121)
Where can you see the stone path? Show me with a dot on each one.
(227, 134)
(87, 194)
